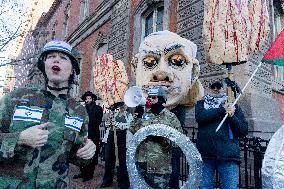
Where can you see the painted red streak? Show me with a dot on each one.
(252, 20)
(237, 26)
(114, 82)
(212, 21)
(110, 71)
(226, 34)
(261, 26)
(235, 36)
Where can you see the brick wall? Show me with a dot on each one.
(74, 16)
(86, 47)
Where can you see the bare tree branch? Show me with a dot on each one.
(11, 36)
(18, 61)
(12, 20)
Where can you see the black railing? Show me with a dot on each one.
(252, 153)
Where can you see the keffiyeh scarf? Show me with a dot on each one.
(214, 100)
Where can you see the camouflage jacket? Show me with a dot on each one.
(45, 167)
(156, 152)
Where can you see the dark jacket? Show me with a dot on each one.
(95, 113)
(220, 145)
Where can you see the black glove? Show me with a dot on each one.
(139, 111)
(235, 87)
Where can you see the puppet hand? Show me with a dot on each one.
(88, 151)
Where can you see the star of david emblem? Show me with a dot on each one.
(28, 113)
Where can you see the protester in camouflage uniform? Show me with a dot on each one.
(154, 154)
(115, 148)
(41, 130)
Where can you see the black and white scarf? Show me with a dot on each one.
(214, 100)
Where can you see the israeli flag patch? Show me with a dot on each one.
(24, 113)
(146, 117)
(74, 123)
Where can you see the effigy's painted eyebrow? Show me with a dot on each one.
(152, 52)
(173, 47)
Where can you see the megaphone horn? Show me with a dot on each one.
(134, 97)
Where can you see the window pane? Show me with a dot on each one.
(160, 13)
(149, 24)
(102, 50)
(159, 22)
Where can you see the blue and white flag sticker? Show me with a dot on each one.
(74, 123)
(146, 117)
(25, 113)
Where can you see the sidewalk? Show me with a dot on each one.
(92, 184)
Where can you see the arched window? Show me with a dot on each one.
(150, 16)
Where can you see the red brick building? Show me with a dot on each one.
(94, 27)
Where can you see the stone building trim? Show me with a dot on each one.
(120, 32)
(93, 22)
(102, 38)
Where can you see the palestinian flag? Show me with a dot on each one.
(275, 54)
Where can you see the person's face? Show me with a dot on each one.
(58, 67)
(216, 90)
(153, 99)
(166, 61)
(88, 99)
(122, 108)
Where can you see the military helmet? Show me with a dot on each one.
(60, 46)
(157, 91)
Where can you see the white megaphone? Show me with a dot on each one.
(134, 97)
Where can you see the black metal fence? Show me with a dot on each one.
(252, 153)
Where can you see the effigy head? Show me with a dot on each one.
(165, 59)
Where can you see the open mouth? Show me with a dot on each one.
(55, 68)
(167, 86)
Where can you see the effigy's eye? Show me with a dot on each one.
(177, 60)
(150, 62)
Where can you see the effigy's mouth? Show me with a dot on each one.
(169, 87)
